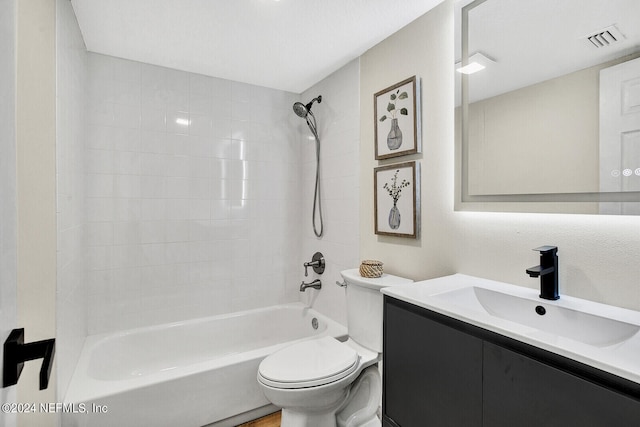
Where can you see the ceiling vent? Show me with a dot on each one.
(605, 37)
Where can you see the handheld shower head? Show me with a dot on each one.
(302, 110)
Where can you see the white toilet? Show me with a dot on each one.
(323, 382)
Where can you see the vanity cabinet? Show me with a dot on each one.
(421, 384)
(439, 371)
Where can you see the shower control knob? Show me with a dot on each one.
(317, 263)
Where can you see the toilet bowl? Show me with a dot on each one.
(323, 382)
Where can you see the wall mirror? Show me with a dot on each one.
(548, 106)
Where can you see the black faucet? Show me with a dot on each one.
(548, 272)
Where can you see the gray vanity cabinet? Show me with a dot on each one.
(438, 371)
(521, 391)
(430, 372)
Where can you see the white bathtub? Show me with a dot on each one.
(191, 373)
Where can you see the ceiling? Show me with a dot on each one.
(281, 44)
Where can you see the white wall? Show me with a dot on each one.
(36, 192)
(187, 221)
(8, 219)
(423, 48)
(339, 130)
(598, 254)
(71, 94)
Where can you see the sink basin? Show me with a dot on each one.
(599, 335)
(538, 314)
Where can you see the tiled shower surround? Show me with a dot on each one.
(338, 119)
(71, 94)
(192, 195)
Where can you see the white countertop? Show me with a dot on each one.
(622, 358)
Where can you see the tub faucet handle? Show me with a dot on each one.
(317, 263)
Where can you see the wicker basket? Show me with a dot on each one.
(371, 268)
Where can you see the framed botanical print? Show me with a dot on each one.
(397, 199)
(397, 119)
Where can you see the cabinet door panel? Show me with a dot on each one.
(432, 372)
(520, 391)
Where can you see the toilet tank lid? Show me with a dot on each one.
(353, 277)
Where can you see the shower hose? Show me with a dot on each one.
(317, 203)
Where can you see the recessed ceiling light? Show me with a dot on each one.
(182, 122)
(477, 62)
(472, 67)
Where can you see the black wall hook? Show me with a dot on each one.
(16, 352)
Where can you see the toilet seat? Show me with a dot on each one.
(309, 363)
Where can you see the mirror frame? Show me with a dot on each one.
(535, 203)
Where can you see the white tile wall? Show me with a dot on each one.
(71, 94)
(338, 119)
(192, 195)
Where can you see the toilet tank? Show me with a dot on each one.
(364, 306)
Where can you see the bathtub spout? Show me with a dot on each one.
(316, 284)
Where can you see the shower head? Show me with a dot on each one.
(302, 110)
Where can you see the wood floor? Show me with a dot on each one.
(272, 420)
